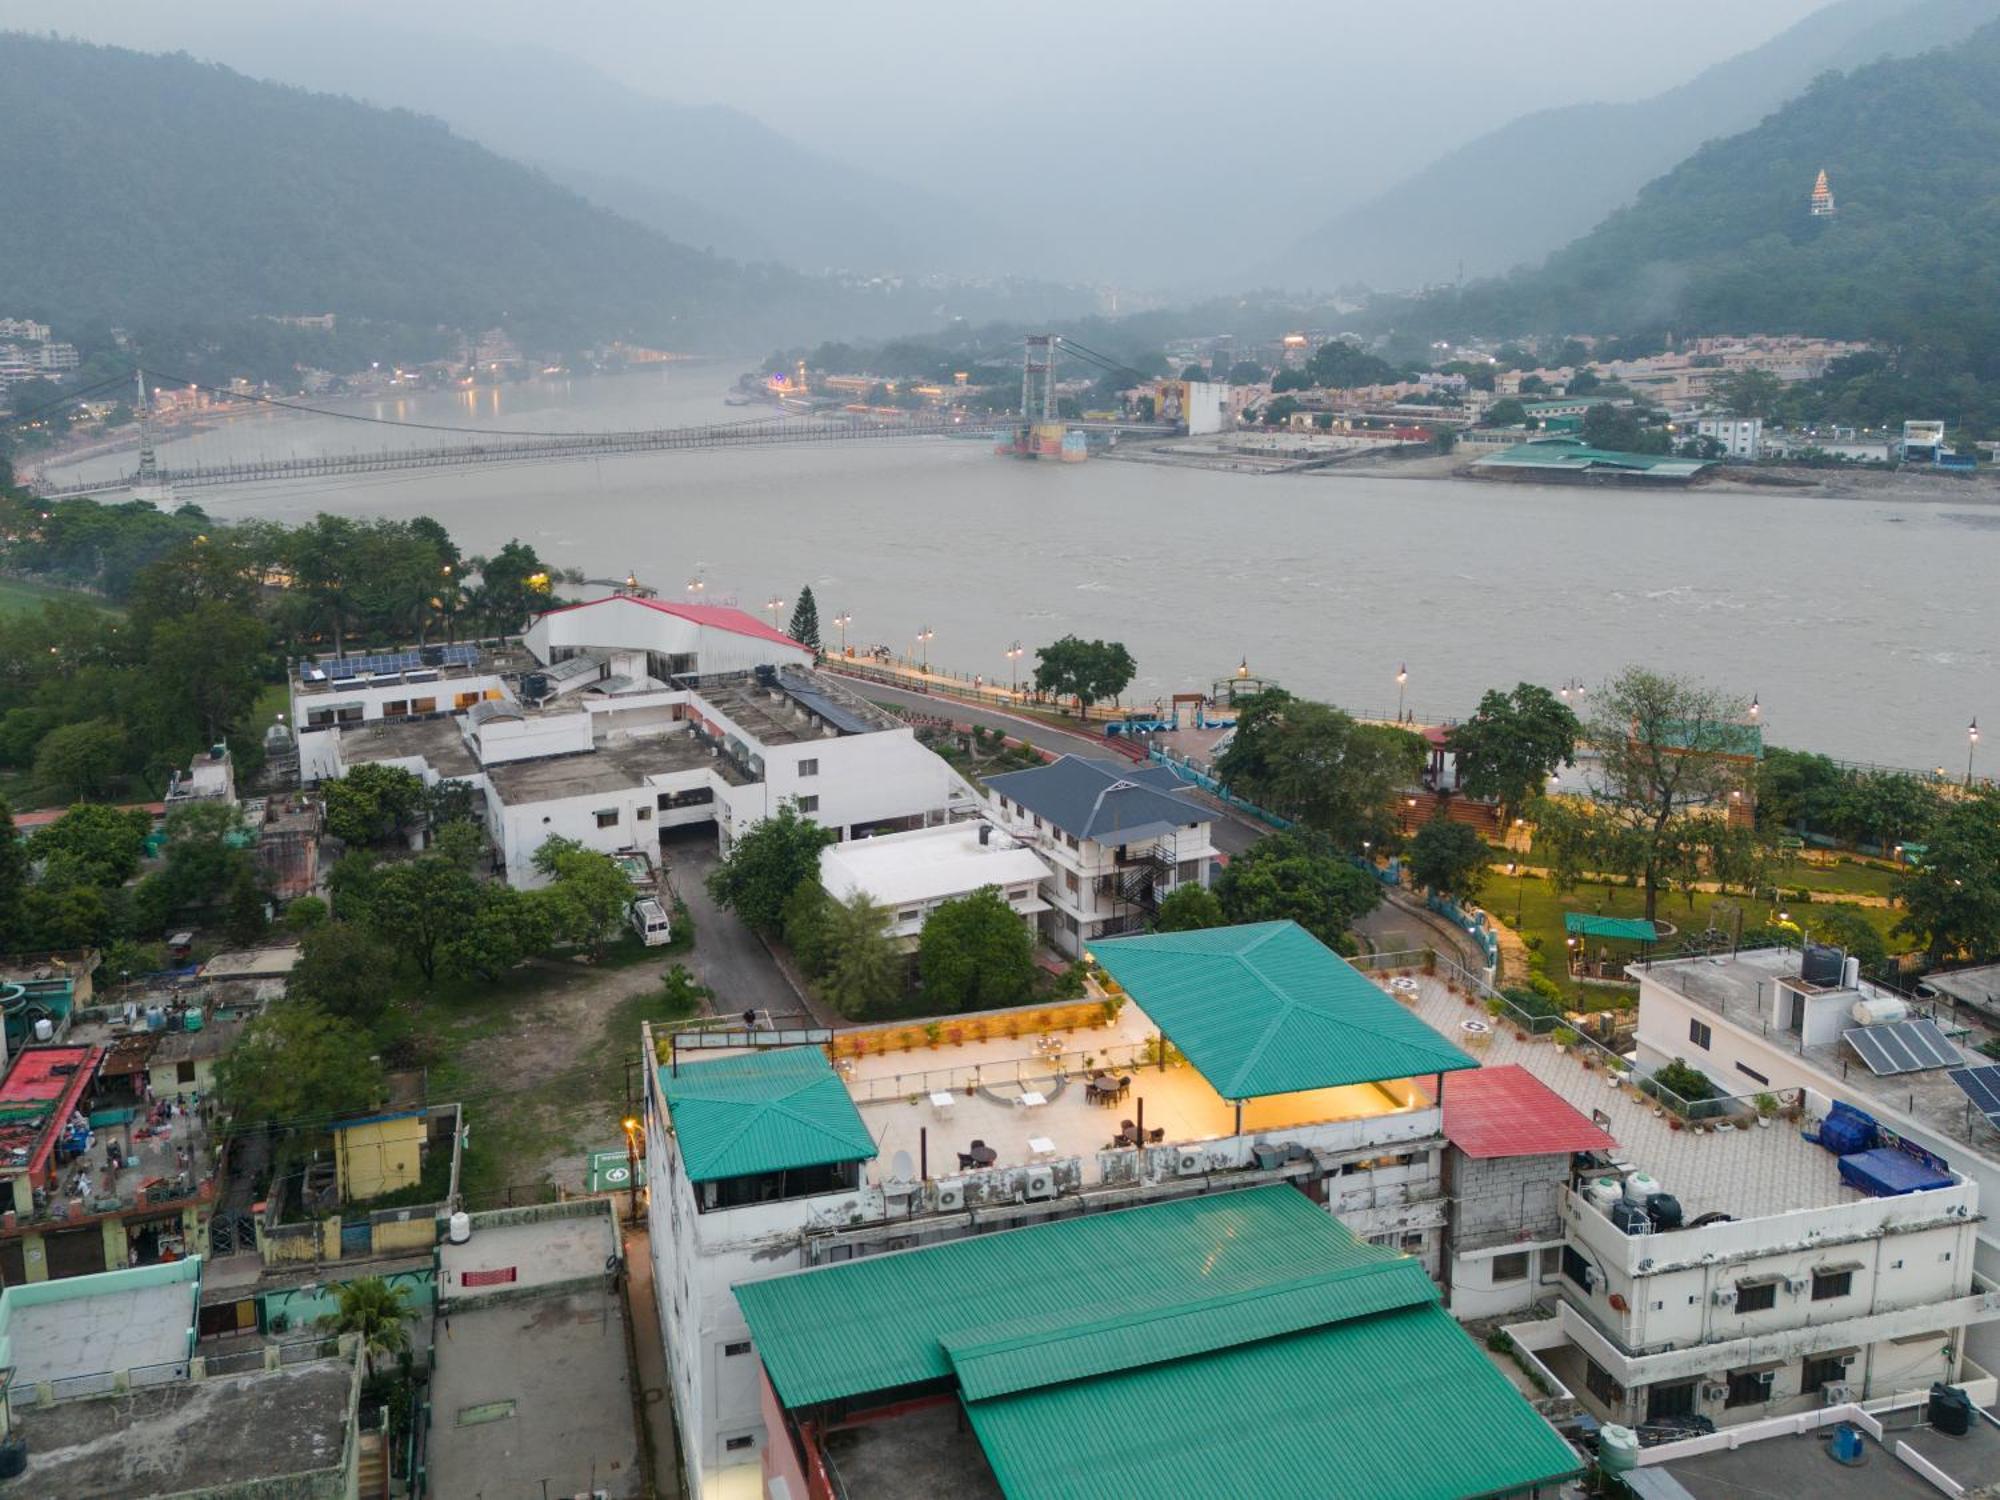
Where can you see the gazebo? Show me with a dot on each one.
(1580, 928)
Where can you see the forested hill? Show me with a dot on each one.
(1514, 195)
(139, 188)
(1726, 242)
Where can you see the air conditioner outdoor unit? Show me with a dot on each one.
(950, 1195)
(1836, 1394)
(1715, 1393)
(1846, 1361)
(1187, 1163)
(1795, 1284)
(1040, 1183)
(1725, 1296)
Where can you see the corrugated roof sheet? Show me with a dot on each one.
(880, 1323)
(1507, 1111)
(1401, 1404)
(1267, 1008)
(768, 1111)
(1223, 1345)
(1111, 801)
(1626, 929)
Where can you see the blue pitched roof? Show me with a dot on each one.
(1112, 801)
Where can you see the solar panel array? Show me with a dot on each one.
(1982, 1087)
(1902, 1047)
(399, 661)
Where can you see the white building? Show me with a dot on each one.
(1741, 437)
(616, 726)
(1755, 1022)
(1288, 1066)
(909, 875)
(1118, 837)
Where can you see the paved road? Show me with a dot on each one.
(1231, 834)
(727, 957)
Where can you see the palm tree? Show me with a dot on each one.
(377, 1312)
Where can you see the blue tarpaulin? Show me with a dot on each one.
(1886, 1172)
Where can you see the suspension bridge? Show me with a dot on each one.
(153, 479)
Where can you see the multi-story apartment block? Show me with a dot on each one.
(1118, 837)
(1225, 1059)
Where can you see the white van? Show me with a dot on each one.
(649, 920)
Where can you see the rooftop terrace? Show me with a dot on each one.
(88, 1325)
(332, 673)
(1743, 1173)
(1743, 989)
(785, 708)
(615, 765)
(289, 1424)
(436, 740)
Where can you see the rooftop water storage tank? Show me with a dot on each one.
(1877, 1010)
(1630, 1218)
(192, 1020)
(1640, 1186)
(156, 1018)
(1617, 1449)
(1664, 1209)
(1602, 1192)
(1821, 964)
(461, 1227)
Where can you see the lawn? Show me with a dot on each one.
(1541, 913)
(17, 596)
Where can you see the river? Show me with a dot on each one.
(1866, 628)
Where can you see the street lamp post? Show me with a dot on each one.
(1520, 874)
(695, 586)
(632, 1164)
(1402, 679)
(1014, 654)
(1971, 745)
(774, 604)
(924, 645)
(843, 620)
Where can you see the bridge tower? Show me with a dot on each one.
(1038, 379)
(147, 484)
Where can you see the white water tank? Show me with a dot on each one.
(1640, 1186)
(461, 1227)
(1850, 973)
(1877, 1009)
(1617, 1449)
(1602, 1192)
(45, 1030)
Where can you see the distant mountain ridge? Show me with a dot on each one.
(1515, 195)
(1727, 240)
(709, 176)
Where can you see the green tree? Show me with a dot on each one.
(1669, 748)
(865, 968)
(1449, 858)
(508, 927)
(420, 903)
(1951, 905)
(1247, 372)
(376, 1313)
(805, 620)
(461, 842)
(13, 879)
(1296, 877)
(80, 760)
(304, 914)
(92, 845)
(1750, 393)
(345, 970)
(1189, 908)
(205, 665)
(372, 803)
(1512, 744)
(513, 584)
(588, 899)
(975, 953)
(244, 907)
(1506, 412)
(1311, 762)
(807, 928)
(295, 1064)
(1341, 364)
(1611, 427)
(1088, 671)
(766, 865)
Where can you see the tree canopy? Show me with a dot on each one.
(805, 620)
(1512, 744)
(975, 953)
(1088, 671)
(1951, 905)
(1311, 762)
(1449, 858)
(766, 865)
(1298, 877)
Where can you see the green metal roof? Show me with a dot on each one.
(767, 1111)
(1402, 1403)
(1571, 455)
(1628, 929)
(1279, 1343)
(1267, 1008)
(883, 1322)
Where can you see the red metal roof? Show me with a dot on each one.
(42, 817)
(33, 1079)
(1507, 1111)
(714, 616)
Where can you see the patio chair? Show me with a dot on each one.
(966, 1161)
(1156, 1136)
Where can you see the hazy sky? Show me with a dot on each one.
(869, 75)
(1146, 138)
